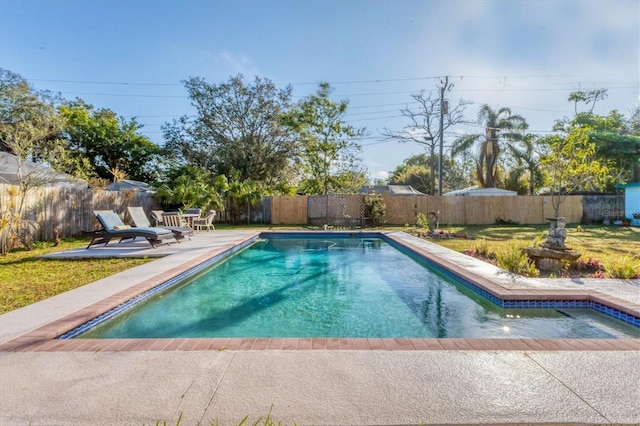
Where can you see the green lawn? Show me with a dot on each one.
(605, 243)
(609, 245)
(25, 279)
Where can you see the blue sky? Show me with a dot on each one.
(131, 56)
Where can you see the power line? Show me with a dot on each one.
(371, 81)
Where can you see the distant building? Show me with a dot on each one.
(474, 191)
(390, 189)
(631, 199)
(13, 172)
(129, 184)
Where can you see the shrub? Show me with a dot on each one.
(589, 266)
(482, 249)
(501, 221)
(541, 238)
(511, 258)
(375, 209)
(625, 268)
(42, 244)
(422, 221)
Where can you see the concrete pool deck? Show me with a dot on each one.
(464, 381)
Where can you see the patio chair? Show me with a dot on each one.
(113, 227)
(156, 215)
(205, 222)
(173, 219)
(139, 219)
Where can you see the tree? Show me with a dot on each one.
(107, 143)
(414, 171)
(588, 97)
(242, 194)
(618, 140)
(328, 152)
(424, 128)
(28, 125)
(235, 131)
(501, 128)
(28, 121)
(188, 191)
(528, 161)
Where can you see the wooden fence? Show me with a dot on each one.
(59, 212)
(52, 212)
(289, 210)
(480, 210)
(404, 209)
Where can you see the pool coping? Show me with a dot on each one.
(45, 338)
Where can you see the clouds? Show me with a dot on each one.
(236, 63)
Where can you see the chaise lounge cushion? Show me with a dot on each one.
(139, 219)
(112, 227)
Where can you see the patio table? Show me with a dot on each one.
(188, 218)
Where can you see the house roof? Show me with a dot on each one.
(12, 172)
(627, 185)
(390, 189)
(130, 184)
(474, 191)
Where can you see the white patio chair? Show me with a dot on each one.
(205, 222)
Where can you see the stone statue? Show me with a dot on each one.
(433, 221)
(557, 236)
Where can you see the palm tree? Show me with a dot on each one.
(243, 194)
(190, 192)
(528, 159)
(491, 147)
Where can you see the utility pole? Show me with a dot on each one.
(443, 110)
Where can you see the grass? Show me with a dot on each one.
(25, 279)
(607, 244)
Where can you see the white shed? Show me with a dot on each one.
(631, 199)
(481, 192)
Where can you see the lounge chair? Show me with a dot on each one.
(113, 227)
(139, 219)
(205, 222)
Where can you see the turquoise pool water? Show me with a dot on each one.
(342, 287)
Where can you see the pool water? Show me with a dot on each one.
(342, 287)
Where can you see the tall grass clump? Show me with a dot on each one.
(482, 250)
(624, 268)
(511, 258)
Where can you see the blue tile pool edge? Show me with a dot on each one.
(404, 247)
(516, 303)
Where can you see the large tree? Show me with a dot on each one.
(28, 121)
(328, 147)
(235, 131)
(618, 140)
(424, 126)
(502, 128)
(108, 143)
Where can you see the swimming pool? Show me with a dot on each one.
(339, 287)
